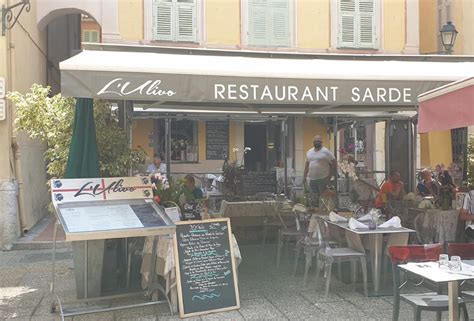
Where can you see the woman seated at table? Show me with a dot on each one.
(190, 199)
(428, 185)
(392, 189)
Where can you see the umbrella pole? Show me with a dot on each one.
(168, 146)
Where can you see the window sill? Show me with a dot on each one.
(184, 162)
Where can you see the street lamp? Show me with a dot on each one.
(448, 36)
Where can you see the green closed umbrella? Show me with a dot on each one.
(83, 163)
(83, 157)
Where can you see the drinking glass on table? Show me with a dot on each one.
(455, 264)
(443, 260)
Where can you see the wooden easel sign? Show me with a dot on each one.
(205, 268)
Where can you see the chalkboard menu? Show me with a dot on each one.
(217, 139)
(206, 276)
(257, 182)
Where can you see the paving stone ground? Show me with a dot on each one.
(266, 292)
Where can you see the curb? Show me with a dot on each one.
(46, 245)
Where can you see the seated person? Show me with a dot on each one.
(467, 214)
(189, 199)
(392, 189)
(445, 179)
(157, 166)
(428, 185)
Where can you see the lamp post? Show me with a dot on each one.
(448, 36)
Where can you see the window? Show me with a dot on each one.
(269, 23)
(357, 24)
(90, 36)
(175, 20)
(184, 140)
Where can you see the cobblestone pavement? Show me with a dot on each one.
(266, 292)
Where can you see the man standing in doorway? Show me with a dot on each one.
(320, 165)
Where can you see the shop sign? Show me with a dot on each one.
(248, 90)
(2, 88)
(3, 112)
(92, 189)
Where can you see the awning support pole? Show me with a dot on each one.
(168, 146)
(284, 132)
(410, 155)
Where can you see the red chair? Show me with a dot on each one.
(433, 301)
(464, 250)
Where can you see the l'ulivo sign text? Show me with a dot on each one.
(206, 275)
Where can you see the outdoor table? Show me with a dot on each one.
(437, 226)
(432, 271)
(375, 239)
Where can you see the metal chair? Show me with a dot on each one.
(432, 301)
(327, 255)
(466, 252)
(286, 233)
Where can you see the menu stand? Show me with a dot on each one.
(76, 215)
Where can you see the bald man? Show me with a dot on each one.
(320, 165)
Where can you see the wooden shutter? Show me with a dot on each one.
(259, 23)
(185, 18)
(347, 36)
(366, 25)
(162, 20)
(94, 36)
(86, 36)
(279, 23)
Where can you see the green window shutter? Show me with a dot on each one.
(347, 36)
(185, 21)
(366, 25)
(94, 36)
(86, 36)
(279, 23)
(162, 20)
(259, 23)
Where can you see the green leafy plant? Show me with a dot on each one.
(51, 119)
(232, 173)
(469, 182)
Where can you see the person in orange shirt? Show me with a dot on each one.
(391, 190)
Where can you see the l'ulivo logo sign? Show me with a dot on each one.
(101, 189)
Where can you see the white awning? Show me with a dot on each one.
(204, 79)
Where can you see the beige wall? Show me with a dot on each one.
(313, 21)
(131, 20)
(428, 26)
(468, 27)
(23, 64)
(222, 22)
(394, 16)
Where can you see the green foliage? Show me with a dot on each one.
(470, 163)
(232, 174)
(51, 119)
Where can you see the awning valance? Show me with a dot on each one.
(447, 107)
(145, 76)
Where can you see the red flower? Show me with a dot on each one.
(157, 199)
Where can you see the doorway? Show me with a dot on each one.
(264, 139)
(255, 137)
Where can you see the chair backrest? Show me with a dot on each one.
(301, 217)
(414, 253)
(322, 230)
(464, 250)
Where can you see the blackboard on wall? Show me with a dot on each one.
(205, 268)
(217, 140)
(252, 183)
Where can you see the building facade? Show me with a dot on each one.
(51, 32)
